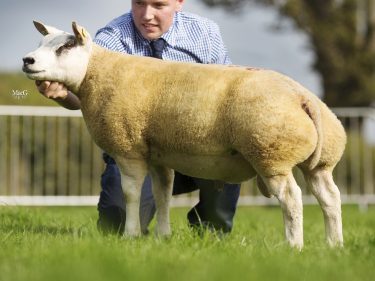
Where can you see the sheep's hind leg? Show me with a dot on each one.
(289, 195)
(162, 184)
(325, 190)
(133, 173)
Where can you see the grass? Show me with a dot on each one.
(53, 243)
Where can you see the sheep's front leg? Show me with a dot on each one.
(162, 185)
(133, 173)
(286, 190)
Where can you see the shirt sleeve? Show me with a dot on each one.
(109, 38)
(219, 54)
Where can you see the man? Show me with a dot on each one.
(160, 29)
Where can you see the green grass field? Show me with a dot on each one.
(53, 243)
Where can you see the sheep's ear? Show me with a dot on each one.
(81, 34)
(45, 29)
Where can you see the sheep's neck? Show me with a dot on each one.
(99, 80)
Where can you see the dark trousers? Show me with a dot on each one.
(216, 206)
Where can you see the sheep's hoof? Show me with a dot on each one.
(132, 233)
(335, 244)
(296, 245)
(164, 232)
(130, 237)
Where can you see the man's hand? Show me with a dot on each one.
(52, 90)
(59, 93)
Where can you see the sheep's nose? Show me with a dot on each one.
(28, 60)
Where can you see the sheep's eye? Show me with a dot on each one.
(68, 45)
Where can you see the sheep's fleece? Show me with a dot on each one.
(226, 123)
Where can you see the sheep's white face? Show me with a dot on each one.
(61, 56)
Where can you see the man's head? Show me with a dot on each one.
(153, 18)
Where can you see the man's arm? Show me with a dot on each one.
(59, 93)
(219, 50)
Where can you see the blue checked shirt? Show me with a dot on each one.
(191, 38)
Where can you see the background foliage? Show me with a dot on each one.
(341, 35)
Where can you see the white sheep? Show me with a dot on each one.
(207, 121)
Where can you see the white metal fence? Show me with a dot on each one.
(47, 158)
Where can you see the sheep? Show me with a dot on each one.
(208, 121)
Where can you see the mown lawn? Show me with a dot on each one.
(50, 243)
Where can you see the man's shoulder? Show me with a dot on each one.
(196, 24)
(116, 33)
(190, 18)
(124, 21)
(118, 29)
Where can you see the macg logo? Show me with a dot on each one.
(18, 94)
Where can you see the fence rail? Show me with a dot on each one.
(48, 158)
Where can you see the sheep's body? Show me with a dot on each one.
(214, 122)
(216, 125)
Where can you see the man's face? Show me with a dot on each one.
(153, 18)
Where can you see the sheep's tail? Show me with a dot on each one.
(311, 107)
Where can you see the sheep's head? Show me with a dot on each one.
(61, 56)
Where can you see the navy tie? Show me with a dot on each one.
(157, 47)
